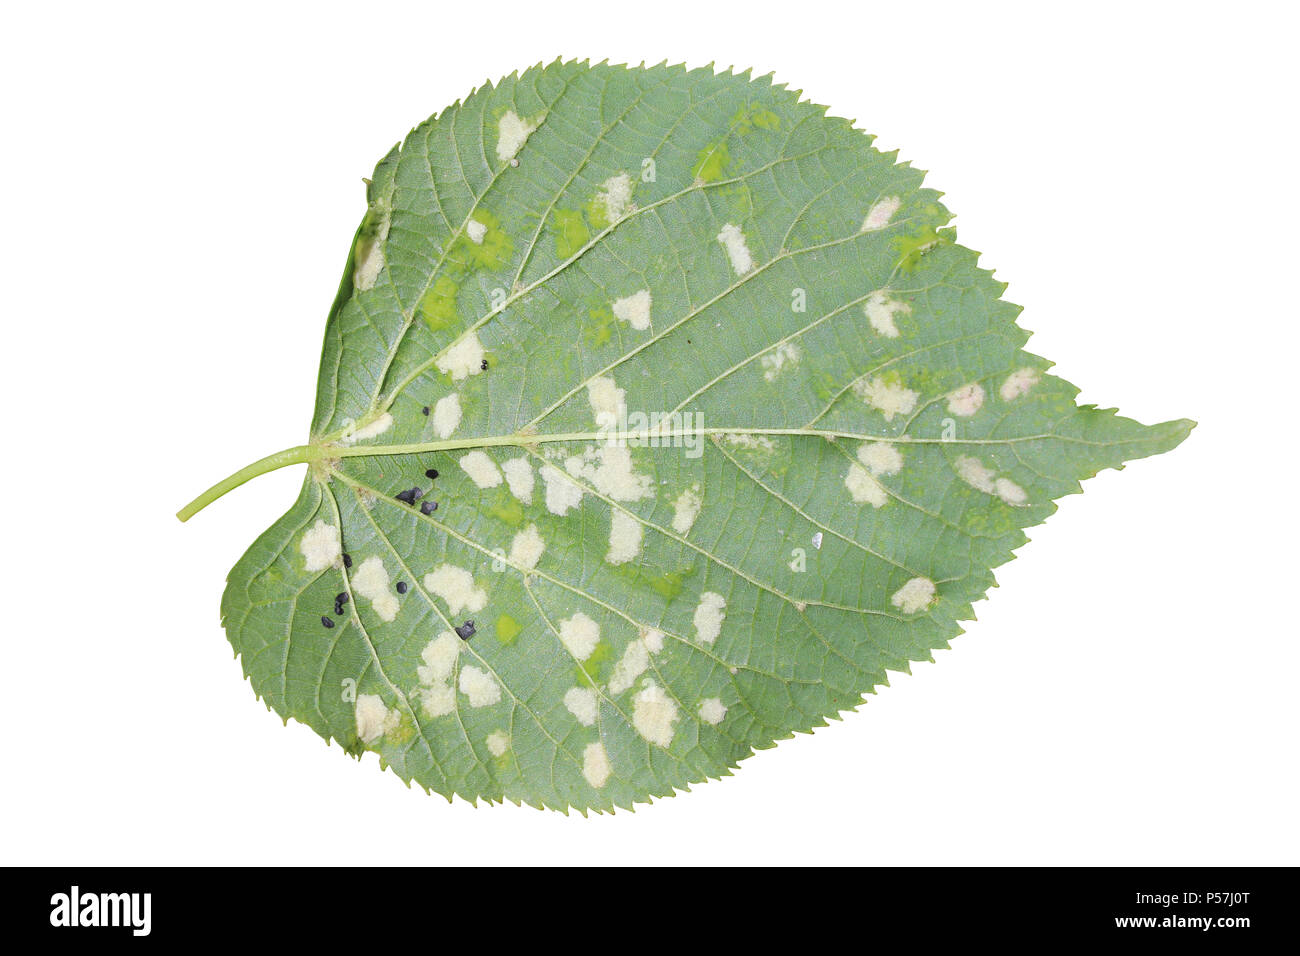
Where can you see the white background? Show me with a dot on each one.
(179, 192)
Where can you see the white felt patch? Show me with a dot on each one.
(580, 635)
(479, 686)
(370, 581)
(476, 231)
(750, 442)
(498, 742)
(733, 240)
(916, 595)
(975, 473)
(463, 358)
(371, 429)
(320, 546)
(527, 548)
(519, 478)
(881, 211)
(712, 710)
(562, 492)
(634, 310)
(633, 663)
(709, 615)
(773, 361)
(609, 469)
(512, 133)
(438, 700)
(881, 309)
(481, 469)
(653, 715)
(686, 509)
(1018, 382)
(880, 457)
(606, 399)
(863, 488)
(446, 415)
(888, 397)
(624, 538)
(615, 194)
(371, 262)
(1010, 492)
(455, 586)
(653, 638)
(439, 657)
(582, 704)
(595, 764)
(967, 400)
(373, 718)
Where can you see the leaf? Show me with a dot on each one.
(853, 439)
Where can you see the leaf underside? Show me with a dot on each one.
(859, 439)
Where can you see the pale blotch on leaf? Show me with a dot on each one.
(481, 469)
(1018, 383)
(712, 710)
(787, 353)
(975, 473)
(463, 358)
(438, 700)
(370, 260)
(580, 635)
(733, 240)
(446, 415)
(320, 547)
(439, 657)
(582, 704)
(595, 764)
(881, 211)
(709, 615)
(498, 742)
(888, 397)
(371, 429)
(881, 309)
(686, 509)
(880, 457)
(519, 478)
(562, 492)
(634, 310)
(479, 686)
(914, 596)
(512, 133)
(863, 488)
(609, 469)
(615, 195)
(455, 586)
(606, 398)
(625, 535)
(526, 548)
(749, 442)
(374, 719)
(370, 581)
(967, 400)
(653, 715)
(982, 478)
(633, 663)
(1010, 492)
(653, 638)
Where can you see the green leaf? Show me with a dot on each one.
(852, 439)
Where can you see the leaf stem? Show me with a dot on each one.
(298, 455)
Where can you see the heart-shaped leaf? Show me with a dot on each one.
(659, 416)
